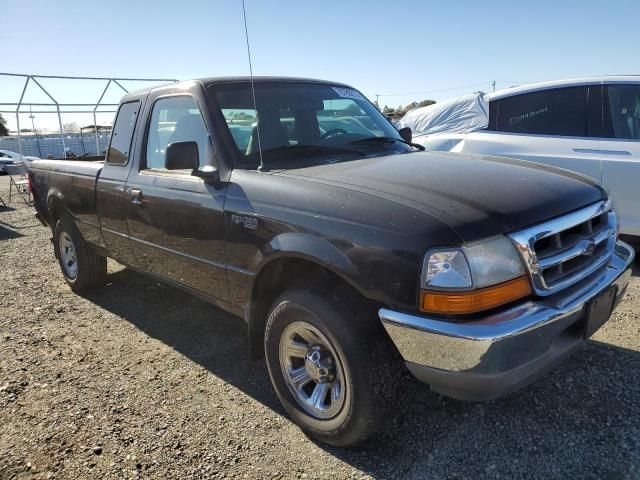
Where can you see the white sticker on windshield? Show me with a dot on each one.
(348, 93)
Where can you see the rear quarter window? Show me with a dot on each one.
(118, 153)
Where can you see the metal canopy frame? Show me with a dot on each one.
(34, 79)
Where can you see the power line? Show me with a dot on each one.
(429, 91)
(512, 81)
(448, 89)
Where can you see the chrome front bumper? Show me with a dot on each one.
(500, 353)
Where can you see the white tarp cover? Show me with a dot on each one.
(463, 114)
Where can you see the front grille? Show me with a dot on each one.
(563, 251)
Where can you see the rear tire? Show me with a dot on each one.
(337, 376)
(82, 268)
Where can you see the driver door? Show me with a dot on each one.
(176, 219)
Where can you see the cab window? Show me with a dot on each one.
(174, 119)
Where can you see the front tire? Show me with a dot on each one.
(333, 371)
(81, 267)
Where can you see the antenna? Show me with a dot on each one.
(253, 89)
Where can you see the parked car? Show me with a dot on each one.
(4, 162)
(591, 126)
(345, 249)
(7, 157)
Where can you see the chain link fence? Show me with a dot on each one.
(48, 145)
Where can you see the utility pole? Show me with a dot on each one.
(33, 127)
(493, 85)
(378, 101)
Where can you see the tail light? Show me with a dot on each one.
(30, 184)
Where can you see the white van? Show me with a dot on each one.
(590, 125)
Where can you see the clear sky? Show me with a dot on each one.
(403, 50)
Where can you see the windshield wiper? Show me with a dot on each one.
(285, 154)
(317, 148)
(387, 140)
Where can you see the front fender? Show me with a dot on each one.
(308, 247)
(269, 263)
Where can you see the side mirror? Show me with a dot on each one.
(181, 156)
(406, 134)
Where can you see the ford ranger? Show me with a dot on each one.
(350, 253)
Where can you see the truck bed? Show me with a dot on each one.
(73, 184)
(83, 168)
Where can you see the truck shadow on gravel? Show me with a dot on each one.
(581, 420)
(10, 230)
(8, 233)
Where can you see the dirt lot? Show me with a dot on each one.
(141, 380)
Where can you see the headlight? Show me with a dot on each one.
(474, 277)
(447, 269)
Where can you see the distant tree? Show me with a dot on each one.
(26, 130)
(401, 110)
(4, 131)
(426, 103)
(71, 127)
(411, 106)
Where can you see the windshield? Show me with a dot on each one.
(298, 122)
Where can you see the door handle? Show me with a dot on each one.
(136, 196)
(596, 151)
(588, 151)
(615, 152)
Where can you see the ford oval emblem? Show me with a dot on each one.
(589, 248)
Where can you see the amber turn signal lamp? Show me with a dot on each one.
(474, 300)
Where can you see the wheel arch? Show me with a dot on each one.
(56, 206)
(311, 262)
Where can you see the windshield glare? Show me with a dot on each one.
(299, 121)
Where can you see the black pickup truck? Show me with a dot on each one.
(349, 252)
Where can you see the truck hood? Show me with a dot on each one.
(477, 196)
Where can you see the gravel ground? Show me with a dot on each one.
(141, 380)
